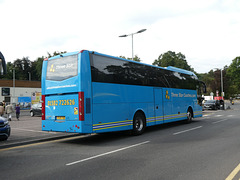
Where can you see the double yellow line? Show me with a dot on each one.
(234, 173)
(45, 142)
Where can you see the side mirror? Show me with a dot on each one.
(203, 85)
(3, 67)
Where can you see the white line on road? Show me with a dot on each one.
(187, 130)
(107, 153)
(33, 130)
(219, 121)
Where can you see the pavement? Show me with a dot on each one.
(28, 130)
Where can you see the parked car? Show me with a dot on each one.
(211, 104)
(36, 109)
(5, 129)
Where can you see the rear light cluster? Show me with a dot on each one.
(82, 51)
(81, 105)
(43, 107)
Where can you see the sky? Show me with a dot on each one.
(207, 32)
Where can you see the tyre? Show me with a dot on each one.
(3, 138)
(31, 113)
(139, 124)
(189, 116)
(214, 108)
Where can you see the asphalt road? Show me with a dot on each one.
(28, 130)
(206, 149)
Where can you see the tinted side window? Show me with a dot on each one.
(156, 77)
(181, 81)
(110, 70)
(106, 70)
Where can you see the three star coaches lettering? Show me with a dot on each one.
(90, 92)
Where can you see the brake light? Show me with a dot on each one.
(81, 105)
(43, 107)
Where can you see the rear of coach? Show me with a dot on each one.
(66, 93)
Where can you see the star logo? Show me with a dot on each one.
(167, 96)
(52, 68)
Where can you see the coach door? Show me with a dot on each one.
(158, 105)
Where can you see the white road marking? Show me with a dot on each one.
(187, 130)
(107, 153)
(219, 121)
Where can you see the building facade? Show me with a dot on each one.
(19, 91)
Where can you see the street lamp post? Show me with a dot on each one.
(29, 76)
(125, 35)
(222, 83)
(222, 92)
(13, 95)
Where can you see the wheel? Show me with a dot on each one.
(139, 124)
(31, 113)
(9, 132)
(3, 138)
(189, 116)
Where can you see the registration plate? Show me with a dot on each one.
(60, 117)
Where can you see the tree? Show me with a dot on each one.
(208, 79)
(136, 58)
(37, 68)
(22, 68)
(212, 80)
(233, 75)
(170, 58)
(215, 84)
(9, 74)
(55, 53)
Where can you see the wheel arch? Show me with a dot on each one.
(140, 111)
(191, 110)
